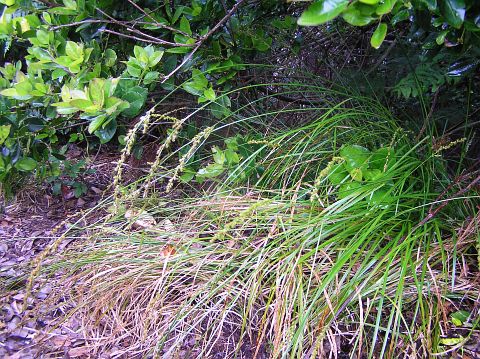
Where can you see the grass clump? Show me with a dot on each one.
(335, 246)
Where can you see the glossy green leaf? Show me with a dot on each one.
(136, 97)
(354, 17)
(211, 171)
(218, 155)
(459, 317)
(106, 133)
(133, 69)
(453, 11)
(385, 7)
(24, 88)
(440, 39)
(380, 198)
(451, 341)
(84, 105)
(185, 26)
(73, 50)
(150, 77)
(70, 4)
(338, 174)
(209, 94)
(199, 78)
(178, 50)
(400, 16)
(355, 157)
(96, 91)
(372, 174)
(4, 132)
(356, 174)
(140, 54)
(193, 88)
(232, 157)
(383, 158)
(26, 164)
(96, 123)
(110, 57)
(43, 36)
(187, 175)
(11, 92)
(8, 2)
(155, 58)
(379, 35)
(322, 11)
(40, 54)
(431, 4)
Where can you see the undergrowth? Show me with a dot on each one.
(327, 230)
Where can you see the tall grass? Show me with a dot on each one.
(280, 264)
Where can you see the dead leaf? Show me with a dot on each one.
(140, 219)
(60, 341)
(96, 190)
(168, 251)
(3, 248)
(168, 226)
(78, 352)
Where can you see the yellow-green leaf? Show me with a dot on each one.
(379, 35)
(451, 341)
(26, 164)
(4, 132)
(321, 12)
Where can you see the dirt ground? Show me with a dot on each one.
(28, 224)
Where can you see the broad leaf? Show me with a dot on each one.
(383, 158)
(355, 17)
(380, 198)
(460, 317)
(26, 164)
(136, 97)
(141, 54)
(453, 11)
(150, 77)
(369, 2)
(185, 26)
(385, 7)
(106, 134)
(355, 157)
(338, 174)
(378, 35)
(209, 94)
(96, 123)
(322, 11)
(431, 4)
(4, 132)
(73, 50)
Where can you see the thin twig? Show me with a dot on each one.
(429, 115)
(144, 37)
(90, 21)
(433, 212)
(155, 21)
(152, 41)
(203, 39)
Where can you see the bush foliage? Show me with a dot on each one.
(74, 69)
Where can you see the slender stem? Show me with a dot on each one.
(203, 39)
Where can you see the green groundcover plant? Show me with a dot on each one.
(334, 235)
